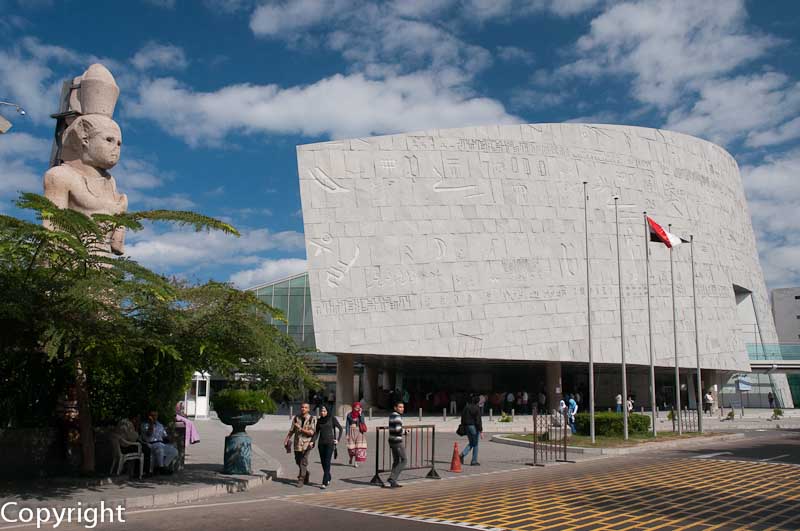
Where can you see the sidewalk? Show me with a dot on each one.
(202, 477)
(753, 419)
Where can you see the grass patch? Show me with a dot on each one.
(634, 439)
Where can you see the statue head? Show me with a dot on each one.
(94, 139)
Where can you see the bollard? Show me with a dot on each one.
(444, 415)
(512, 414)
(490, 415)
(291, 410)
(370, 414)
(420, 414)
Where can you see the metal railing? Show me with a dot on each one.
(420, 446)
(687, 421)
(549, 438)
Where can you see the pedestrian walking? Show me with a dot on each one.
(509, 401)
(326, 439)
(629, 405)
(453, 404)
(619, 403)
(356, 430)
(708, 402)
(771, 399)
(572, 410)
(397, 444)
(301, 434)
(472, 423)
(542, 402)
(525, 398)
(481, 402)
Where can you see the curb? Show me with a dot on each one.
(644, 448)
(266, 468)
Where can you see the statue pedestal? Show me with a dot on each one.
(238, 450)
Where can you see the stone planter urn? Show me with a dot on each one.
(238, 446)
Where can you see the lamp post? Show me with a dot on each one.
(5, 125)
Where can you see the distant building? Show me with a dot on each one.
(786, 312)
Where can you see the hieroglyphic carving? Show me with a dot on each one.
(322, 245)
(336, 273)
(364, 305)
(326, 181)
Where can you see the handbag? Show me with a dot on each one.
(362, 426)
(288, 445)
(461, 430)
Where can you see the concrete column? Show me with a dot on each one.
(553, 388)
(371, 385)
(344, 383)
(389, 380)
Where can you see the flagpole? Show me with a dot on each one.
(675, 337)
(696, 343)
(589, 315)
(621, 326)
(650, 325)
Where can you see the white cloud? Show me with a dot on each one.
(269, 270)
(667, 47)
(339, 106)
(783, 133)
(374, 36)
(515, 54)
(773, 192)
(188, 249)
(162, 56)
(23, 161)
(274, 19)
(744, 105)
(28, 78)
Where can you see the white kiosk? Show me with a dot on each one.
(197, 397)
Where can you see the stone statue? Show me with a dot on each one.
(90, 146)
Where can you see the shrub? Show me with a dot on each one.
(731, 415)
(504, 417)
(611, 424)
(777, 413)
(243, 400)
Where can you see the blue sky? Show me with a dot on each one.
(216, 94)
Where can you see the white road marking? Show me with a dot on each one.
(773, 458)
(709, 456)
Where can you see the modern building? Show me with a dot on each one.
(457, 260)
(786, 312)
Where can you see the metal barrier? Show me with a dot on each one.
(687, 419)
(549, 438)
(420, 445)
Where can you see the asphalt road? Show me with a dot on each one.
(750, 483)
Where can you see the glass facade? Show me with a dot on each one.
(292, 296)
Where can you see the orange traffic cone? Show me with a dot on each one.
(455, 463)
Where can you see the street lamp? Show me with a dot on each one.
(18, 108)
(5, 125)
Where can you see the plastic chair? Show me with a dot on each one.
(120, 458)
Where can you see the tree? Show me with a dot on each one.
(118, 332)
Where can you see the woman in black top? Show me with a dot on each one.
(326, 439)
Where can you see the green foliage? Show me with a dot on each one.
(777, 413)
(504, 417)
(731, 415)
(671, 415)
(136, 335)
(611, 424)
(243, 400)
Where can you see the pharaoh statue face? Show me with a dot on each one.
(95, 140)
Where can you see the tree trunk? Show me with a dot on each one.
(84, 420)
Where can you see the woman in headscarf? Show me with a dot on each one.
(325, 438)
(356, 428)
(192, 435)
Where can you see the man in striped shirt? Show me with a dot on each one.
(397, 443)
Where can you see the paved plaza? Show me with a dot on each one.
(750, 484)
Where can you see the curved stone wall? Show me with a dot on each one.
(470, 243)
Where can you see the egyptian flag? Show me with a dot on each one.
(658, 234)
